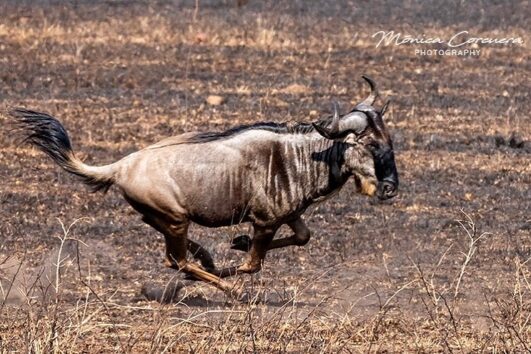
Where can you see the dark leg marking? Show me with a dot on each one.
(201, 254)
(241, 243)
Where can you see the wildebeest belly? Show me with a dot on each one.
(233, 215)
(224, 205)
(217, 218)
(219, 196)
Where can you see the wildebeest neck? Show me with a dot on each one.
(305, 169)
(332, 155)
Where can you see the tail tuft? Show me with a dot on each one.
(45, 132)
(48, 134)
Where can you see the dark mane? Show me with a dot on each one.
(279, 128)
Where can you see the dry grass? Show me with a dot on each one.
(444, 267)
(73, 317)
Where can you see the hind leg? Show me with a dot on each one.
(197, 251)
(175, 235)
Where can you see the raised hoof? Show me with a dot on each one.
(241, 243)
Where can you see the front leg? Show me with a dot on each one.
(260, 244)
(300, 237)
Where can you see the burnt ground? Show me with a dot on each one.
(376, 276)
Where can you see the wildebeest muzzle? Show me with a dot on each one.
(386, 174)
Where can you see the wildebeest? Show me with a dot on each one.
(267, 174)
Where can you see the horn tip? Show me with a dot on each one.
(369, 80)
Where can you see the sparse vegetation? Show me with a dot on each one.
(445, 267)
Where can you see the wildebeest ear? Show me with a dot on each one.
(384, 108)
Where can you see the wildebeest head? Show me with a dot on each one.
(364, 126)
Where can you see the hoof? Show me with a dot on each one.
(241, 243)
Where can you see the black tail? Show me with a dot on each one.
(49, 135)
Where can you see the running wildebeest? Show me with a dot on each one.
(267, 174)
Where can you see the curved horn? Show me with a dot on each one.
(374, 92)
(333, 131)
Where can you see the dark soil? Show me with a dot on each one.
(375, 276)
